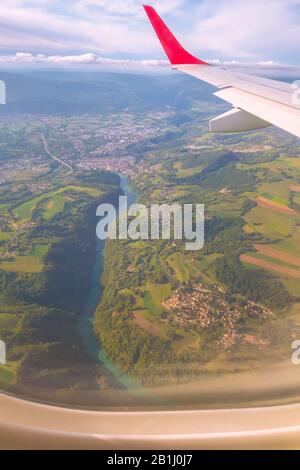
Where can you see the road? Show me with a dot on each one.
(57, 159)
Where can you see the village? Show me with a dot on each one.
(199, 307)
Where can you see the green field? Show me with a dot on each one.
(184, 172)
(23, 264)
(278, 191)
(270, 224)
(181, 268)
(53, 206)
(40, 250)
(292, 285)
(5, 236)
(154, 294)
(291, 244)
(261, 256)
(29, 263)
(7, 376)
(55, 202)
(24, 211)
(8, 321)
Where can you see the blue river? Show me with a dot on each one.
(86, 320)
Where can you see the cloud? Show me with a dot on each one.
(125, 7)
(231, 29)
(249, 28)
(25, 58)
(41, 28)
(88, 59)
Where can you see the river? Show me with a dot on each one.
(86, 320)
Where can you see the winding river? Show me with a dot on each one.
(86, 322)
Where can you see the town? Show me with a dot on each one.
(199, 307)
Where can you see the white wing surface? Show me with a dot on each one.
(257, 102)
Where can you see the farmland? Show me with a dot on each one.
(23, 264)
(274, 206)
(256, 261)
(277, 254)
(50, 203)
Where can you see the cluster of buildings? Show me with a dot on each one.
(191, 306)
(114, 153)
(197, 306)
(116, 140)
(124, 165)
(89, 143)
(4, 221)
(11, 247)
(10, 168)
(38, 187)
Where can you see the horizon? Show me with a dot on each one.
(281, 73)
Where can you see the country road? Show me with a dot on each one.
(57, 159)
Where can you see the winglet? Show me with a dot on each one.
(174, 50)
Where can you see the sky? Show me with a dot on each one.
(117, 32)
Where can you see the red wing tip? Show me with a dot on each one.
(174, 50)
(149, 9)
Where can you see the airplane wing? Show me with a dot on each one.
(257, 102)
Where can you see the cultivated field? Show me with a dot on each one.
(277, 254)
(274, 206)
(146, 325)
(23, 264)
(270, 266)
(51, 202)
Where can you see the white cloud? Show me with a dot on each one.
(25, 59)
(255, 28)
(229, 29)
(38, 29)
(125, 7)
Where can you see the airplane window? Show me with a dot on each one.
(145, 262)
